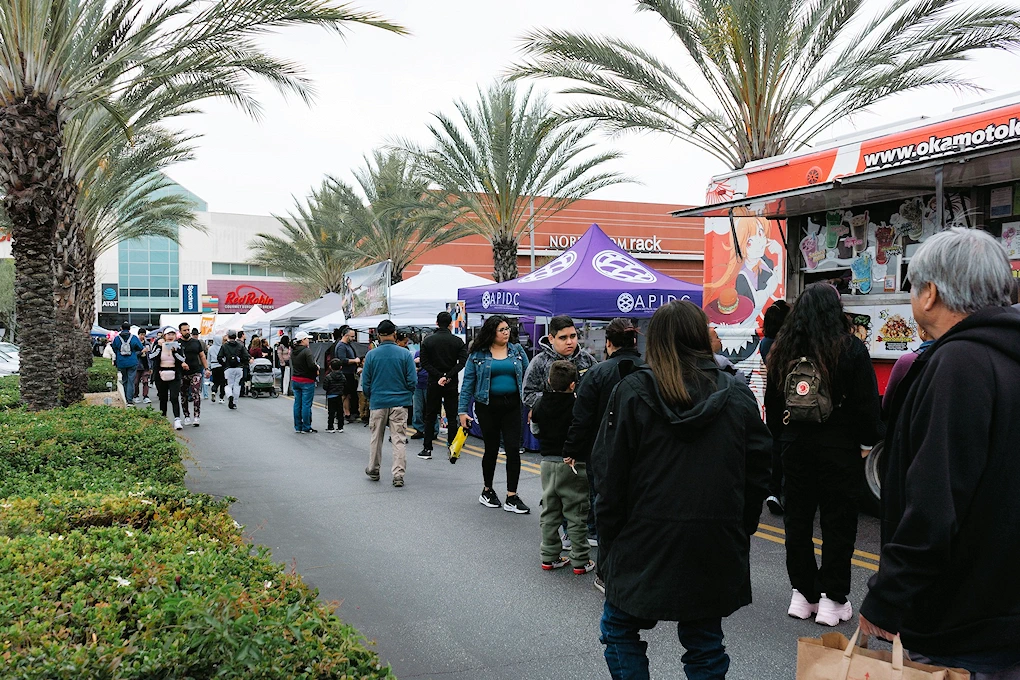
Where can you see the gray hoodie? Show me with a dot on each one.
(538, 370)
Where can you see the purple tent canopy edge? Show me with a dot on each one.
(594, 279)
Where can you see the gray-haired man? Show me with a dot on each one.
(951, 493)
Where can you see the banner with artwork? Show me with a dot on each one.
(367, 291)
(458, 310)
(208, 321)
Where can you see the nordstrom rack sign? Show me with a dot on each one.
(650, 244)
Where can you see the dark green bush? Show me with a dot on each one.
(110, 568)
(102, 371)
(10, 394)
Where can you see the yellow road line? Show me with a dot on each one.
(818, 541)
(781, 541)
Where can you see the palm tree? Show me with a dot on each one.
(770, 74)
(402, 219)
(509, 155)
(59, 59)
(314, 248)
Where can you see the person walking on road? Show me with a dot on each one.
(493, 379)
(168, 363)
(125, 357)
(388, 381)
(344, 352)
(593, 399)
(443, 356)
(305, 373)
(143, 376)
(683, 440)
(233, 357)
(560, 344)
(197, 371)
(334, 384)
(947, 580)
(283, 360)
(219, 378)
(823, 454)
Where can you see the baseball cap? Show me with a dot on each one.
(386, 327)
(403, 333)
(126, 326)
(301, 335)
(169, 329)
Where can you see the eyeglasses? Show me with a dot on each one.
(504, 329)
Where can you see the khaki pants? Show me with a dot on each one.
(396, 418)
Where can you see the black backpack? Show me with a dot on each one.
(808, 397)
(233, 358)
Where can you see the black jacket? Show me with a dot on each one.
(593, 398)
(856, 418)
(443, 355)
(679, 492)
(334, 382)
(951, 495)
(302, 363)
(232, 348)
(552, 415)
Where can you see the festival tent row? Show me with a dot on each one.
(594, 279)
(262, 326)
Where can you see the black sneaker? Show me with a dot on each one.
(489, 499)
(418, 434)
(515, 504)
(425, 454)
(312, 429)
(600, 585)
(775, 505)
(230, 402)
(398, 482)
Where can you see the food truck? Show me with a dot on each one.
(853, 212)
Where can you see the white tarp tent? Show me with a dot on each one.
(253, 315)
(262, 326)
(324, 306)
(426, 294)
(325, 324)
(224, 323)
(365, 323)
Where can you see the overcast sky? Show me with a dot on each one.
(374, 87)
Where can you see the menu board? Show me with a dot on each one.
(888, 331)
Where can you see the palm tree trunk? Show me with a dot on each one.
(72, 338)
(35, 190)
(504, 258)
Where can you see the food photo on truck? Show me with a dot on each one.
(852, 212)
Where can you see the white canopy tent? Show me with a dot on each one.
(325, 324)
(252, 316)
(324, 306)
(224, 323)
(365, 323)
(427, 293)
(262, 325)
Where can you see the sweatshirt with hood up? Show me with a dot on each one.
(951, 496)
(678, 495)
(537, 376)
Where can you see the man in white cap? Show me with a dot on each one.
(304, 371)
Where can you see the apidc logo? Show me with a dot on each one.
(625, 303)
(643, 303)
(557, 266)
(619, 267)
(501, 298)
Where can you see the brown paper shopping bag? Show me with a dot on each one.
(833, 657)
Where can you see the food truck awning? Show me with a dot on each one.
(980, 167)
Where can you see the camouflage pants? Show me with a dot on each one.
(191, 392)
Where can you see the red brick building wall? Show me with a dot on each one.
(679, 244)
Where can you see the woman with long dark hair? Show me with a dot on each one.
(494, 379)
(823, 462)
(681, 439)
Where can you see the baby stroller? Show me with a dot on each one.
(262, 380)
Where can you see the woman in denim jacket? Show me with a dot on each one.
(494, 379)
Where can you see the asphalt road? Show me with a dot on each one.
(442, 586)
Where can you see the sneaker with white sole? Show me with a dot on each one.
(600, 585)
(489, 499)
(147, 400)
(832, 613)
(187, 420)
(515, 504)
(586, 568)
(425, 454)
(558, 563)
(177, 424)
(564, 539)
(775, 505)
(195, 421)
(800, 608)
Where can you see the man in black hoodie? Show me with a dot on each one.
(951, 489)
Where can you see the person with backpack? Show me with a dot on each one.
(143, 376)
(593, 398)
(125, 357)
(681, 467)
(821, 403)
(233, 357)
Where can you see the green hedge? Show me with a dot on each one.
(110, 568)
(101, 372)
(10, 395)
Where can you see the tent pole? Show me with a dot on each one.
(531, 220)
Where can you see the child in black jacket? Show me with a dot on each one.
(564, 480)
(334, 383)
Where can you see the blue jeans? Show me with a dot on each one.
(418, 419)
(127, 376)
(705, 658)
(304, 394)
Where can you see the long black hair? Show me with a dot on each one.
(486, 335)
(677, 341)
(816, 328)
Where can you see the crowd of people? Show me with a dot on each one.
(664, 461)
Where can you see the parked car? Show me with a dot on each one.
(10, 362)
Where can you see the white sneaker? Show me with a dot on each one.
(137, 400)
(832, 613)
(147, 400)
(195, 421)
(187, 420)
(800, 608)
(177, 424)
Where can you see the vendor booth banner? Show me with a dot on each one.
(458, 310)
(594, 279)
(367, 290)
(208, 321)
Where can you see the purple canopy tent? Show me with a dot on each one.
(594, 279)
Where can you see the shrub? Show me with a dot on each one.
(110, 568)
(10, 393)
(102, 371)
